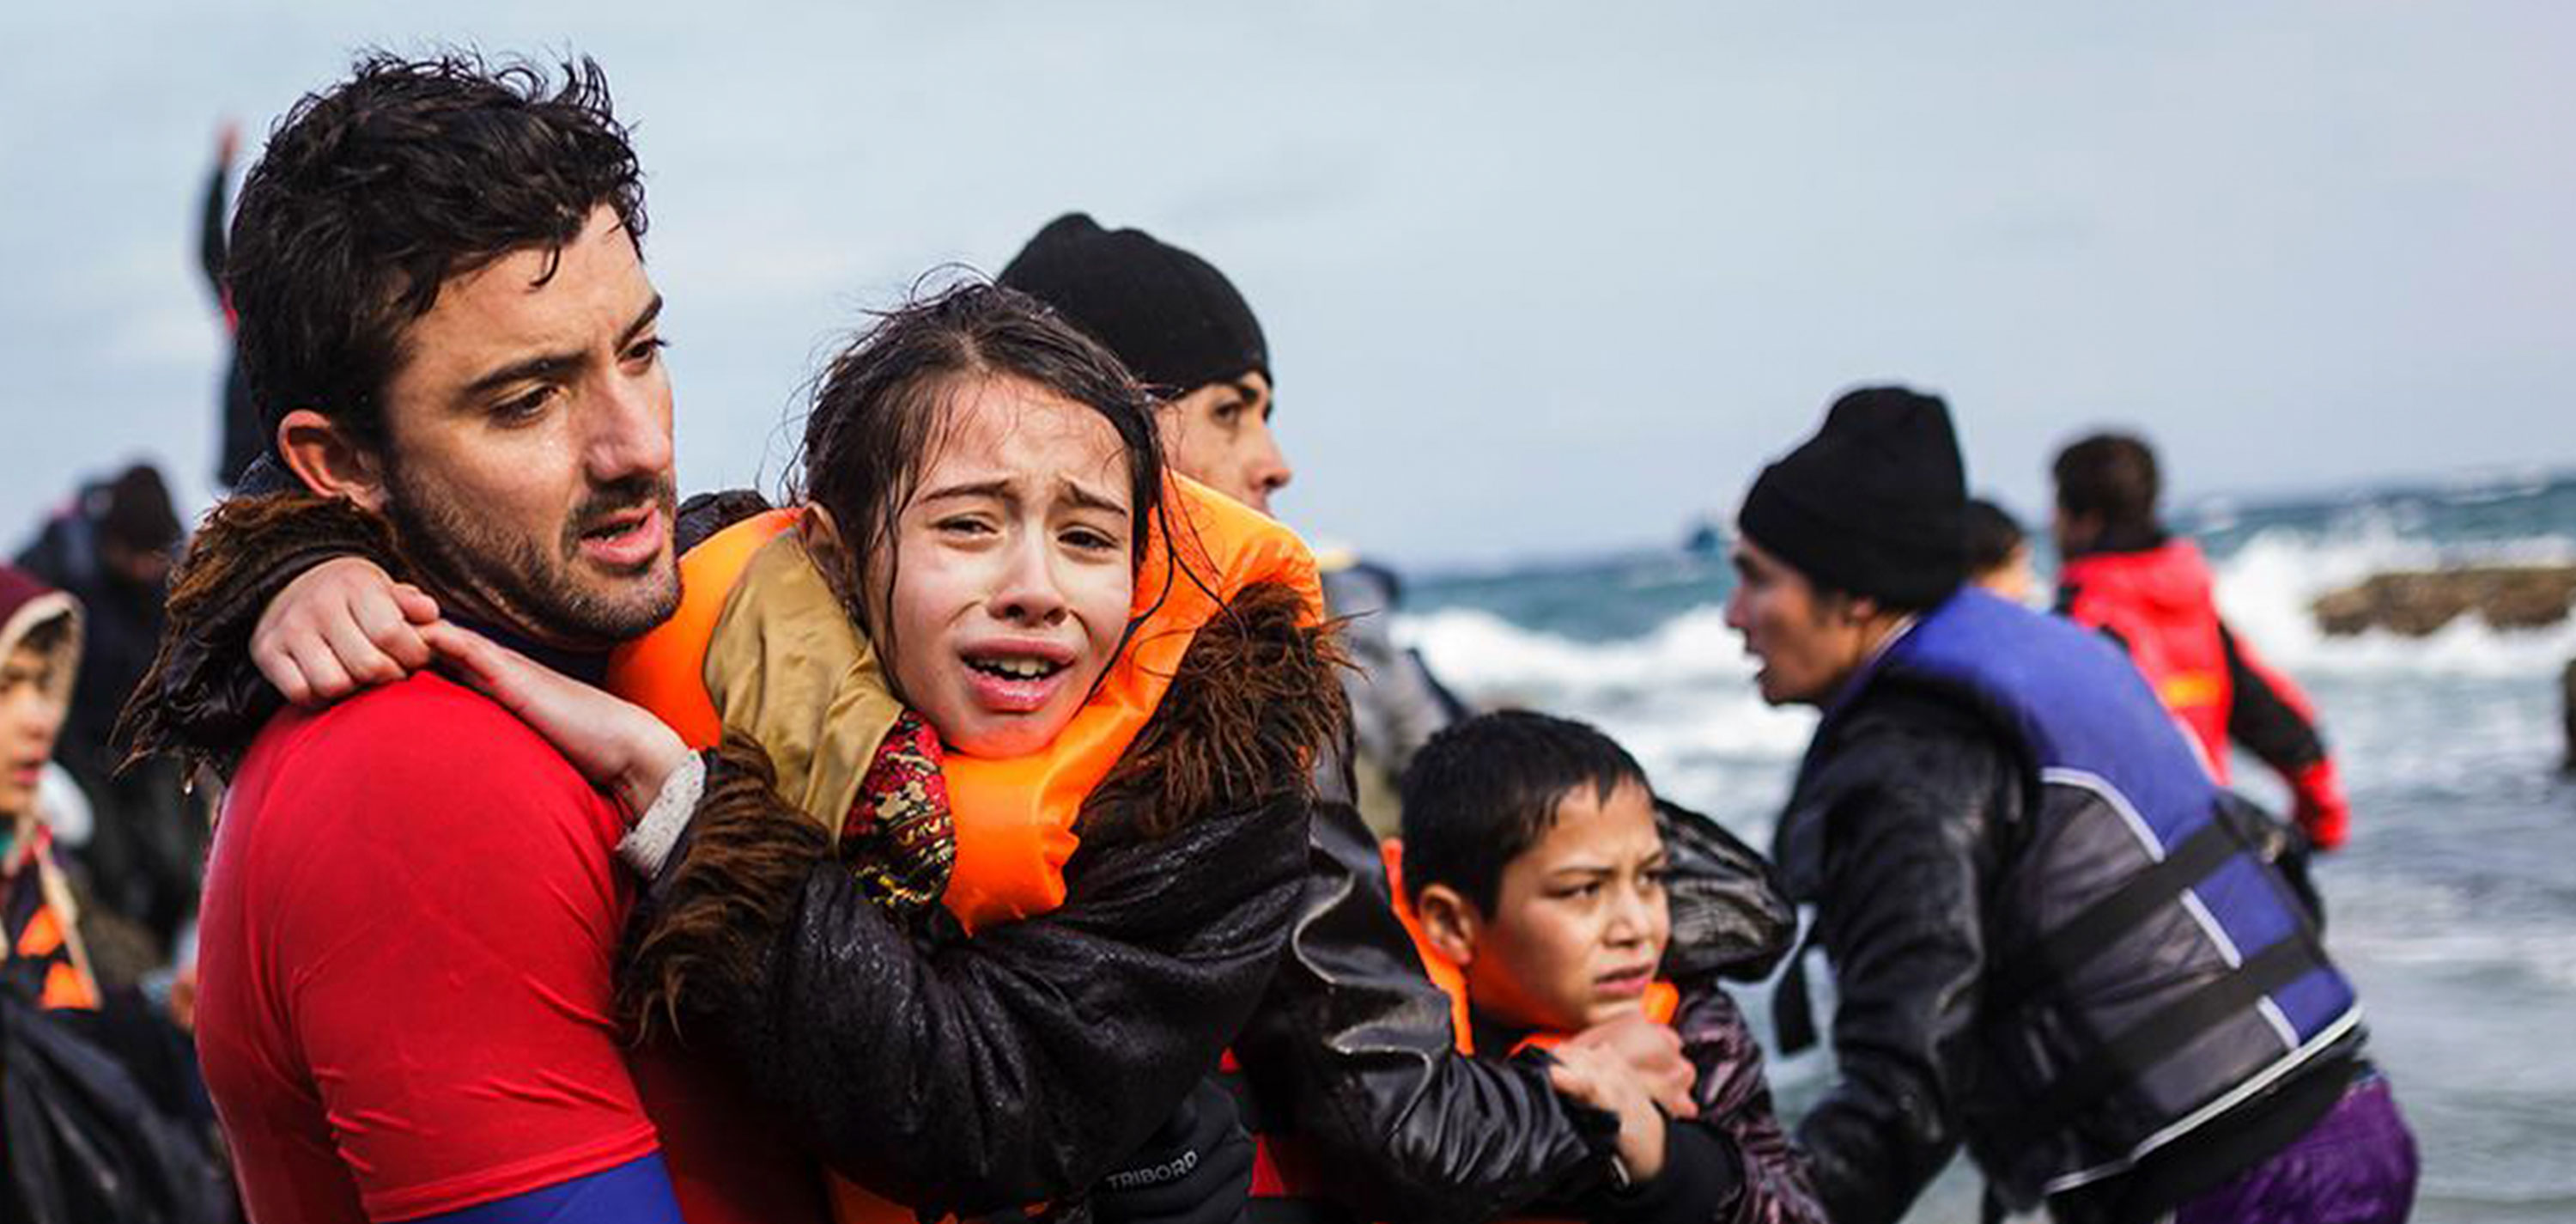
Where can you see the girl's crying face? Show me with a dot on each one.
(1014, 568)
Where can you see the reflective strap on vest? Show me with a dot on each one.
(2113, 915)
(2142, 1045)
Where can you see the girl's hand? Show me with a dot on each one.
(339, 627)
(620, 747)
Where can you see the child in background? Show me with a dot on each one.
(40, 642)
(1534, 876)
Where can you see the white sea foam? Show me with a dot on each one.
(1680, 698)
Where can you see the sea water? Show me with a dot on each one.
(2453, 906)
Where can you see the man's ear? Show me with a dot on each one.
(328, 460)
(1450, 921)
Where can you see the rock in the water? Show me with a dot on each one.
(2415, 603)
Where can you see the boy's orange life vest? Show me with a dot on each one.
(1013, 817)
(1283, 1171)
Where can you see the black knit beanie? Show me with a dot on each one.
(137, 513)
(1173, 319)
(1875, 504)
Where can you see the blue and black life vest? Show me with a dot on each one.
(2151, 971)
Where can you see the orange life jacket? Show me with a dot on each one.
(1287, 1181)
(39, 941)
(1013, 817)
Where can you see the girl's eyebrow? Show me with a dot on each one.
(1085, 499)
(998, 489)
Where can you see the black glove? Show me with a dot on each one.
(1197, 1169)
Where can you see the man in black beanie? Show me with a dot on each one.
(1870, 512)
(2054, 939)
(1180, 325)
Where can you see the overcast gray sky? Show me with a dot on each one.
(1537, 279)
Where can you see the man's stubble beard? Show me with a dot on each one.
(516, 583)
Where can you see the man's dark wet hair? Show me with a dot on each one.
(1486, 789)
(374, 193)
(1992, 536)
(883, 402)
(2110, 475)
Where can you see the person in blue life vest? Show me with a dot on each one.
(2053, 937)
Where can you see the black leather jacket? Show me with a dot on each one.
(1896, 834)
(1353, 1042)
(969, 1075)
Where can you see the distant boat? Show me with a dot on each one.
(1705, 539)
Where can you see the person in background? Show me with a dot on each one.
(111, 548)
(2150, 590)
(2054, 937)
(1534, 870)
(241, 441)
(44, 958)
(106, 1118)
(1998, 552)
(1184, 328)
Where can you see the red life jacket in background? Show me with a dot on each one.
(1288, 1182)
(2160, 604)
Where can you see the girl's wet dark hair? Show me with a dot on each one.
(883, 401)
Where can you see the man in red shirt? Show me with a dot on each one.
(412, 904)
(2125, 575)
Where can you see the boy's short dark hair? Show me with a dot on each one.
(1485, 789)
(1992, 536)
(374, 193)
(2112, 475)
